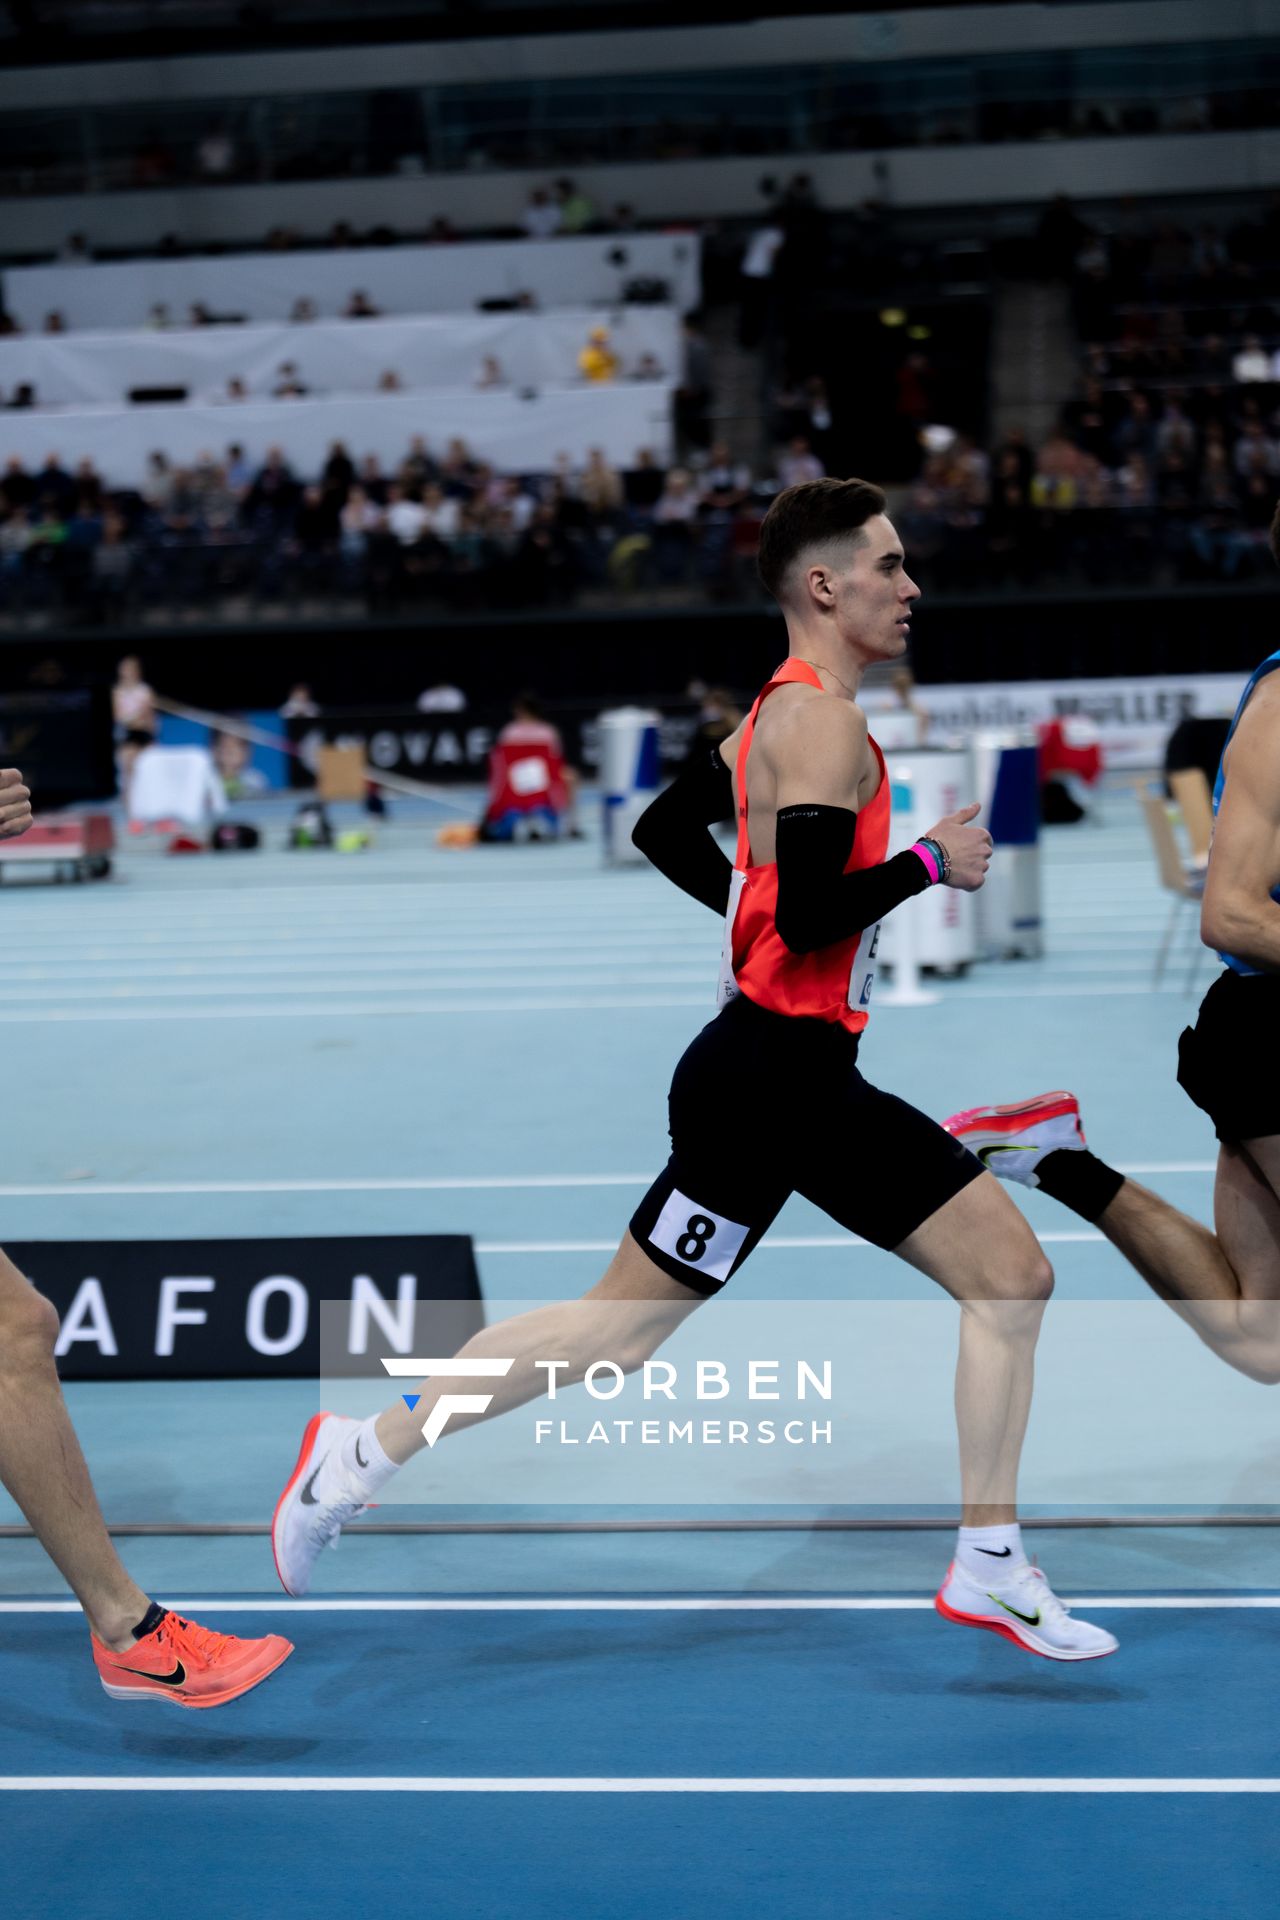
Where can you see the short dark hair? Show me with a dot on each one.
(809, 515)
(1275, 534)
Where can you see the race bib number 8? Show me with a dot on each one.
(697, 1237)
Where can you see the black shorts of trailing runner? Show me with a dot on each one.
(1229, 1062)
(763, 1105)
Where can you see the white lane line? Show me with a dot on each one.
(779, 1243)
(113, 991)
(684, 1603)
(409, 1183)
(657, 1783)
(287, 1009)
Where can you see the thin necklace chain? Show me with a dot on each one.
(819, 668)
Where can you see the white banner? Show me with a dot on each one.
(513, 434)
(334, 357)
(398, 280)
(1133, 718)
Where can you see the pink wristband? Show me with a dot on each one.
(930, 860)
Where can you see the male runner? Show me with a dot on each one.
(142, 1650)
(768, 1099)
(1225, 1284)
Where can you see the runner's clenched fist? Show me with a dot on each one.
(15, 804)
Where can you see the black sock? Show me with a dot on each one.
(1080, 1181)
(150, 1620)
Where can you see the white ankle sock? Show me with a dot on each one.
(363, 1458)
(989, 1553)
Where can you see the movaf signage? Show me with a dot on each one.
(227, 1309)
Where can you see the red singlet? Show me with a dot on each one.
(835, 982)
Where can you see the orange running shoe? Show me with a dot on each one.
(188, 1664)
(1012, 1140)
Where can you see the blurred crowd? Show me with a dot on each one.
(443, 527)
(1165, 462)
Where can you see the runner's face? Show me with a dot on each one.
(875, 594)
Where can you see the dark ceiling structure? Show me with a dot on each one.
(49, 32)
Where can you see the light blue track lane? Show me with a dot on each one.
(885, 1696)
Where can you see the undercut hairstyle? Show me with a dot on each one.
(809, 517)
(1275, 534)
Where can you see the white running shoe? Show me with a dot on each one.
(1023, 1608)
(308, 1518)
(1012, 1141)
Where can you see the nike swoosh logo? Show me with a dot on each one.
(997, 1553)
(985, 1153)
(360, 1459)
(308, 1498)
(175, 1679)
(1029, 1619)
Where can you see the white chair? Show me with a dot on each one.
(175, 783)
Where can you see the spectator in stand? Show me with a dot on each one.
(361, 307)
(799, 463)
(418, 467)
(236, 390)
(198, 315)
(238, 471)
(600, 487)
(577, 211)
(300, 704)
(442, 698)
(216, 153)
(22, 398)
(623, 219)
(642, 485)
(406, 516)
(490, 377)
(111, 568)
(289, 384)
(1252, 365)
(648, 367)
(273, 497)
(54, 322)
(1255, 452)
(441, 232)
(1136, 432)
(724, 486)
(360, 517)
(9, 328)
(338, 474)
(389, 381)
(1175, 429)
(673, 518)
(341, 234)
(373, 480)
(303, 311)
(441, 513)
(541, 217)
(18, 487)
(158, 319)
(597, 362)
(694, 394)
(458, 469)
(756, 283)
(75, 250)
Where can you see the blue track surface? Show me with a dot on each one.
(294, 1047)
(892, 1697)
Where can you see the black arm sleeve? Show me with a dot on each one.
(672, 832)
(818, 902)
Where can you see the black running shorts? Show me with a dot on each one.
(763, 1105)
(1229, 1062)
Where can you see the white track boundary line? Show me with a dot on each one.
(275, 1604)
(354, 1783)
(409, 1183)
